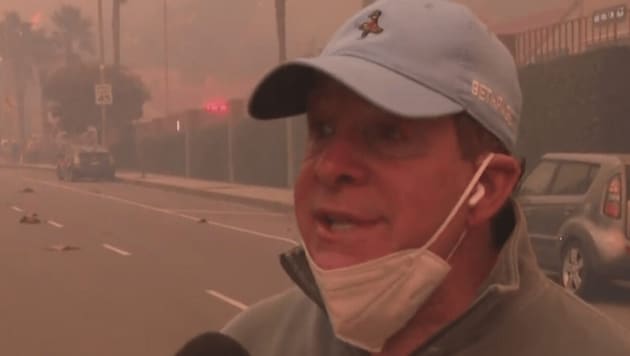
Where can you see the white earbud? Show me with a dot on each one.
(477, 196)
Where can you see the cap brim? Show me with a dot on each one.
(284, 91)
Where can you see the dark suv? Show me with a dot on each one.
(85, 162)
(577, 214)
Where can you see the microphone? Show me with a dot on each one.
(212, 344)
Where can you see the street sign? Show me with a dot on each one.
(603, 16)
(103, 94)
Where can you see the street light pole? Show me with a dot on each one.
(103, 110)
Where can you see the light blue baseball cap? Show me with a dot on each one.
(417, 59)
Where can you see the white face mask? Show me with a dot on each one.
(369, 302)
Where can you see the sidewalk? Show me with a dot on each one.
(275, 198)
(268, 197)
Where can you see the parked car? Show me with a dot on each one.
(78, 162)
(577, 214)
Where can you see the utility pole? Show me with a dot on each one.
(102, 70)
(116, 31)
(166, 64)
(187, 124)
(2, 80)
(103, 110)
(167, 110)
(230, 148)
(100, 32)
(282, 57)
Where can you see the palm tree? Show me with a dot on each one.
(24, 50)
(45, 57)
(116, 5)
(73, 33)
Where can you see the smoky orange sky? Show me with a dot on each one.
(219, 48)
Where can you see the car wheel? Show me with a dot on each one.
(59, 175)
(577, 275)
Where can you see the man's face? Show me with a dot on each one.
(373, 183)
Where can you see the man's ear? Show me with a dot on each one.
(499, 181)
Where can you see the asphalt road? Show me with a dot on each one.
(118, 269)
(139, 274)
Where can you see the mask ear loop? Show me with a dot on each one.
(462, 199)
(456, 247)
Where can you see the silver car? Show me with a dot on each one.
(577, 214)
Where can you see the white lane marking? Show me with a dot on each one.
(228, 212)
(167, 212)
(55, 224)
(19, 210)
(232, 302)
(117, 250)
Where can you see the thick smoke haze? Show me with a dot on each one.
(218, 49)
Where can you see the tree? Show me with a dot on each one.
(24, 50)
(71, 89)
(116, 5)
(367, 2)
(72, 33)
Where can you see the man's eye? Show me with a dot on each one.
(391, 133)
(320, 130)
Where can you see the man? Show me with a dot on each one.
(411, 242)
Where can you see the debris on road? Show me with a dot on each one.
(203, 221)
(28, 190)
(62, 248)
(32, 219)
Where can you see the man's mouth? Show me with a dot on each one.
(336, 221)
(340, 236)
(338, 224)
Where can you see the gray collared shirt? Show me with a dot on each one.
(519, 312)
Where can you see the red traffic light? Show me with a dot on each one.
(217, 108)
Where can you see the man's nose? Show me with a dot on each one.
(341, 162)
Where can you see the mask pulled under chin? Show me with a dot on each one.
(369, 302)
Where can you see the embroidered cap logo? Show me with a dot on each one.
(371, 25)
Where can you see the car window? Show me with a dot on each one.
(539, 180)
(573, 178)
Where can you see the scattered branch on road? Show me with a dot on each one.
(32, 219)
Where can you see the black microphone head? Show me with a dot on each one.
(212, 344)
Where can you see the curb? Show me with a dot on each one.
(19, 166)
(261, 203)
(276, 206)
